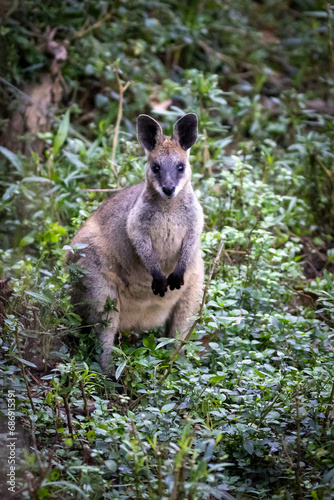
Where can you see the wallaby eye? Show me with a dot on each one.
(180, 167)
(155, 168)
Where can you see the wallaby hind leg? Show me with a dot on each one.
(102, 299)
(107, 336)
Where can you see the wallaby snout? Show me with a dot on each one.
(168, 190)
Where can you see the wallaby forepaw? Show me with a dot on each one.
(159, 286)
(175, 280)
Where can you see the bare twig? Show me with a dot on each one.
(235, 251)
(44, 468)
(206, 153)
(122, 89)
(77, 134)
(228, 257)
(330, 41)
(24, 372)
(34, 443)
(104, 190)
(294, 467)
(330, 404)
(83, 31)
(82, 387)
(68, 414)
(297, 466)
(219, 55)
(36, 380)
(286, 451)
(267, 410)
(15, 90)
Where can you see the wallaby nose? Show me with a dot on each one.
(168, 190)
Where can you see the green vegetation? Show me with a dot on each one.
(248, 411)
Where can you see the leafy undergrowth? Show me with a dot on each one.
(247, 412)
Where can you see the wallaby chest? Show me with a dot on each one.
(167, 231)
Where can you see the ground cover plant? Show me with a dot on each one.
(248, 411)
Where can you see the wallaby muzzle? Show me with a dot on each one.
(169, 191)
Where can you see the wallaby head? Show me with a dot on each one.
(168, 168)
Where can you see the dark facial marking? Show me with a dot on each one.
(168, 173)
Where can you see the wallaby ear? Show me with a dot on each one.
(149, 132)
(185, 131)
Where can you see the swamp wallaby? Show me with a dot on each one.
(143, 244)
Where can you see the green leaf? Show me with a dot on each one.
(249, 447)
(15, 161)
(35, 178)
(72, 176)
(118, 350)
(13, 189)
(62, 132)
(40, 297)
(25, 362)
(67, 485)
(91, 435)
(272, 416)
(111, 465)
(209, 450)
(168, 407)
(316, 13)
(27, 240)
(149, 342)
(75, 160)
(68, 247)
(216, 378)
(120, 369)
(165, 342)
(80, 246)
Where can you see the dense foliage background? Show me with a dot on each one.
(248, 411)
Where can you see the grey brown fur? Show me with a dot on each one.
(143, 244)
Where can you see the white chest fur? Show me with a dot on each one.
(167, 234)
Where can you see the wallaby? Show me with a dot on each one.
(144, 240)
